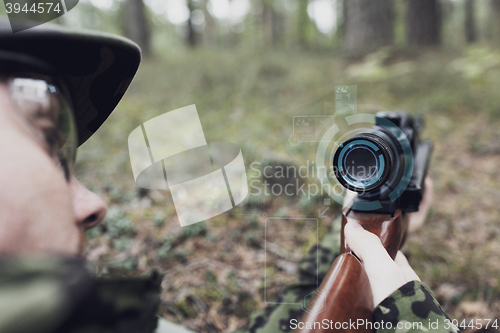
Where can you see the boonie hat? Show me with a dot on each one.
(97, 67)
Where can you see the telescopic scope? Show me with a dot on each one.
(365, 162)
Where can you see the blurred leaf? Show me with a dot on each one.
(210, 276)
(117, 223)
(194, 230)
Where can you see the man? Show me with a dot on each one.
(56, 88)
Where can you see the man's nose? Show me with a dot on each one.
(88, 208)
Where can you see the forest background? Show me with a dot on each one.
(250, 66)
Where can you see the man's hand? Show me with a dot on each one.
(386, 275)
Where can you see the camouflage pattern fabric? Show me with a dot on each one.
(411, 305)
(412, 308)
(39, 295)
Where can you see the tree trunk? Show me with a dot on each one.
(343, 14)
(424, 22)
(303, 23)
(136, 25)
(277, 26)
(210, 32)
(368, 24)
(267, 23)
(494, 31)
(191, 38)
(272, 24)
(470, 24)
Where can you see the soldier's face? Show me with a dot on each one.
(40, 210)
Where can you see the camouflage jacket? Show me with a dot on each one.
(411, 308)
(52, 295)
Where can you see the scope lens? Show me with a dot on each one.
(363, 162)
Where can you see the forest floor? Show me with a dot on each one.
(214, 270)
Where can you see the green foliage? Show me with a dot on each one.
(116, 195)
(185, 308)
(117, 223)
(282, 212)
(122, 243)
(159, 219)
(164, 251)
(94, 232)
(194, 230)
(254, 222)
(476, 62)
(128, 264)
(210, 237)
(210, 276)
(242, 98)
(251, 237)
(182, 253)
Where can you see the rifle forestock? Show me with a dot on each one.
(345, 295)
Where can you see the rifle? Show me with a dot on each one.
(397, 163)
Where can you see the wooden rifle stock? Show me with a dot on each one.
(345, 294)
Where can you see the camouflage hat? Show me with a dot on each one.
(96, 66)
